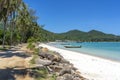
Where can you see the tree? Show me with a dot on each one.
(7, 7)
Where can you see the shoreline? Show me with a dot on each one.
(85, 53)
(91, 67)
(108, 59)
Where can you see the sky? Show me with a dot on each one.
(63, 15)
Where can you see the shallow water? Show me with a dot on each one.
(108, 50)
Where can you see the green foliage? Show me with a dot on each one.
(31, 40)
(20, 26)
(91, 36)
(54, 76)
(31, 46)
(32, 61)
(44, 75)
(2, 49)
(36, 51)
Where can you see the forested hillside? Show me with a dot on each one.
(92, 35)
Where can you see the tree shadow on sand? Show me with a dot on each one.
(11, 53)
(9, 73)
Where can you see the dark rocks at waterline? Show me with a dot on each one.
(76, 78)
(45, 55)
(64, 61)
(65, 71)
(69, 77)
(60, 78)
(56, 68)
(56, 64)
(49, 56)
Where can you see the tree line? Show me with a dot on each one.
(18, 24)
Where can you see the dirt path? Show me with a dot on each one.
(14, 65)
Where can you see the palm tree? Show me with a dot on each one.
(7, 7)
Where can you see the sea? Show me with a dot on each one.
(107, 50)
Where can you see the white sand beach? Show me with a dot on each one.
(92, 68)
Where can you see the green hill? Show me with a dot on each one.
(77, 35)
(92, 35)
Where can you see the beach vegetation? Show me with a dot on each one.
(31, 46)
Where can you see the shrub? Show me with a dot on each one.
(36, 51)
(31, 46)
(31, 40)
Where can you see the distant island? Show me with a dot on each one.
(77, 35)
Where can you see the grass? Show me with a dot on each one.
(35, 56)
(2, 49)
(42, 73)
(36, 51)
(32, 61)
(31, 46)
(6, 48)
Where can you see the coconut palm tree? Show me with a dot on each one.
(7, 7)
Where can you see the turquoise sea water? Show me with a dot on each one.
(108, 50)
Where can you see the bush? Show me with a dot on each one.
(36, 51)
(32, 61)
(31, 46)
(31, 40)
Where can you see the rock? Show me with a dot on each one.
(64, 61)
(49, 69)
(76, 78)
(56, 58)
(49, 56)
(44, 50)
(36, 66)
(58, 54)
(42, 54)
(56, 68)
(68, 65)
(43, 62)
(46, 55)
(77, 74)
(40, 47)
(67, 77)
(60, 78)
(74, 69)
(65, 71)
(55, 63)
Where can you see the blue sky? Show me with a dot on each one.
(63, 15)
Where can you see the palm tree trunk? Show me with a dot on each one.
(11, 34)
(11, 30)
(4, 34)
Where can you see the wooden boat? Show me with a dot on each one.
(78, 42)
(65, 44)
(72, 46)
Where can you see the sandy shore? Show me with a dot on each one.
(93, 68)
